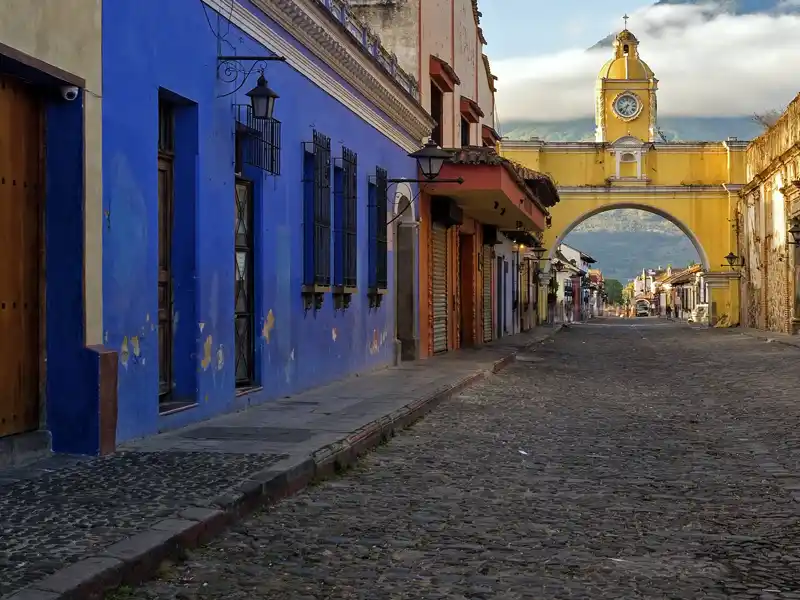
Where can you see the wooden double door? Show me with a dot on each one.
(21, 257)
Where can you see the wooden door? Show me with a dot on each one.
(166, 154)
(20, 261)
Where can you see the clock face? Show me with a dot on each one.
(626, 106)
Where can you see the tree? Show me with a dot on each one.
(614, 290)
(768, 118)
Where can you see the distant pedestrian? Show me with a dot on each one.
(669, 313)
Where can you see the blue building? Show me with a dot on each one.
(246, 259)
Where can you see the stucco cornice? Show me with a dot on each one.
(541, 145)
(643, 191)
(306, 21)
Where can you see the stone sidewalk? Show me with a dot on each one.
(74, 527)
(769, 336)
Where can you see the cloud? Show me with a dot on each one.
(708, 64)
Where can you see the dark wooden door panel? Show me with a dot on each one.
(165, 225)
(20, 147)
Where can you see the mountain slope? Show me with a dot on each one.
(623, 254)
(674, 129)
(626, 240)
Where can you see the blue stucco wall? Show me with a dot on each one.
(151, 47)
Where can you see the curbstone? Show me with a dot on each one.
(84, 579)
(138, 558)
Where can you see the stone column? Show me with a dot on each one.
(720, 289)
(791, 193)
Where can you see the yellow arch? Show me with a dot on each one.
(705, 214)
(565, 231)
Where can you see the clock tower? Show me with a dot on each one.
(625, 102)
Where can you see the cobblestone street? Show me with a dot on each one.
(623, 459)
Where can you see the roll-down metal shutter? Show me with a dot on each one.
(439, 286)
(486, 270)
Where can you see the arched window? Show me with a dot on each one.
(628, 158)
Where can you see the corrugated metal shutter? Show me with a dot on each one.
(439, 286)
(486, 270)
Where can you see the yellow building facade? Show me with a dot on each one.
(695, 185)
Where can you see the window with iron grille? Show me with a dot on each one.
(317, 211)
(243, 285)
(258, 141)
(378, 201)
(345, 194)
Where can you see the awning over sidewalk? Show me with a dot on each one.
(496, 191)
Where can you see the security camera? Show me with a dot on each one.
(69, 92)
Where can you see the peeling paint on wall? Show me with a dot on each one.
(334, 334)
(124, 354)
(375, 345)
(220, 358)
(269, 325)
(206, 353)
(137, 350)
(202, 326)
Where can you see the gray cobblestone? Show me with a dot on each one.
(53, 519)
(623, 462)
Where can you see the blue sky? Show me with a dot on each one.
(523, 27)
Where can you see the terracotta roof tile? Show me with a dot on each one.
(541, 189)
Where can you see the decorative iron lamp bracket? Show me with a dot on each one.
(458, 180)
(794, 232)
(230, 68)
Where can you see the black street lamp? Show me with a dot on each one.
(733, 260)
(795, 233)
(262, 99)
(558, 266)
(538, 252)
(430, 159)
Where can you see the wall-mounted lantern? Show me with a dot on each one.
(431, 159)
(733, 260)
(262, 99)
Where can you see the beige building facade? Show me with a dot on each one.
(51, 216)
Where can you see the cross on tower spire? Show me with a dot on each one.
(625, 18)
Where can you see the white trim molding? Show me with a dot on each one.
(305, 20)
(643, 191)
(677, 147)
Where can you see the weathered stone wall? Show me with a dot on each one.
(768, 204)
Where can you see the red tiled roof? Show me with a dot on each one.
(540, 188)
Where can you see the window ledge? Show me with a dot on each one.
(375, 296)
(342, 295)
(313, 296)
(316, 289)
(344, 289)
(244, 391)
(175, 407)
